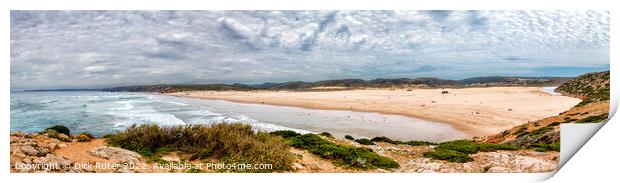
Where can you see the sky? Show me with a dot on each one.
(94, 49)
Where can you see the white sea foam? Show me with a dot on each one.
(177, 103)
(549, 90)
(118, 124)
(147, 115)
(126, 106)
(203, 112)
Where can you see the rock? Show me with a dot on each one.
(52, 141)
(298, 166)
(497, 169)
(19, 154)
(53, 162)
(61, 145)
(27, 160)
(52, 147)
(118, 154)
(29, 150)
(171, 158)
(124, 169)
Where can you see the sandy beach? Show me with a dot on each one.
(475, 111)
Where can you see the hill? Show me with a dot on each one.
(591, 87)
(544, 134)
(353, 83)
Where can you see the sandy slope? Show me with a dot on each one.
(476, 111)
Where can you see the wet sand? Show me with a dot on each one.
(475, 111)
(338, 122)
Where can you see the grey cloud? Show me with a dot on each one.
(112, 48)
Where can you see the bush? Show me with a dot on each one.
(285, 133)
(383, 139)
(50, 133)
(464, 146)
(229, 143)
(396, 142)
(194, 170)
(594, 119)
(448, 155)
(544, 147)
(541, 131)
(364, 141)
(326, 134)
(419, 143)
(60, 129)
(459, 150)
(85, 137)
(496, 147)
(348, 156)
(554, 124)
(54, 134)
(520, 131)
(349, 137)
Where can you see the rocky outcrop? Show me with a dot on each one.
(515, 162)
(117, 154)
(33, 153)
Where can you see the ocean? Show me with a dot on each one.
(102, 113)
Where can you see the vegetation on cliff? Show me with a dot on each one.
(397, 142)
(343, 155)
(228, 143)
(459, 150)
(544, 134)
(591, 87)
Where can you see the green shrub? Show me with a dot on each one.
(349, 137)
(84, 137)
(544, 147)
(569, 120)
(397, 142)
(419, 143)
(541, 131)
(554, 124)
(520, 131)
(229, 143)
(496, 147)
(194, 170)
(51, 133)
(326, 134)
(54, 134)
(285, 133)
(464, 146)
(60, 129)
(364, 141)
(448, 155)
(523, 133)
(459, 150)
(63, 137)
(593, 119)
(348, 156)
(382, 139)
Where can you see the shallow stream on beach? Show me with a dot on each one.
(100, 113)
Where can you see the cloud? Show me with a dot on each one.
(76, 49)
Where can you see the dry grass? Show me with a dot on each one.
(228, 143)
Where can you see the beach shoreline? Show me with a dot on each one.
(475, 111)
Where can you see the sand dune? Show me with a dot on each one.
(476, 111)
